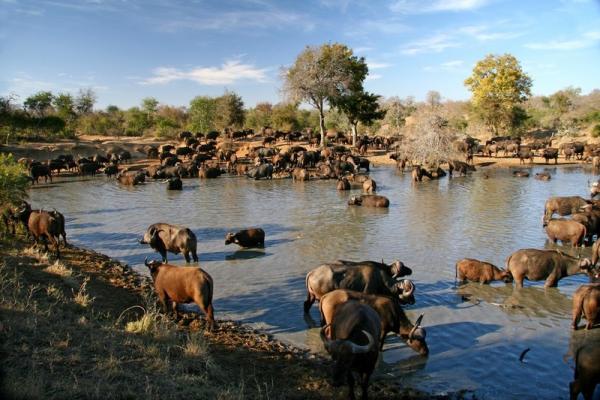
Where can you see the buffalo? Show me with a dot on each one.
(393, 318)
(261, 171)
(480, 271)
(176, 239)
(548, 265)
(549, 154)
(566, 231)
(543, 176)
(369, 186)
(300, 174)
(563, 206)
(343, 184)
(364, 277)
(44, 225)
(369, 200)
(183, 285)
(253, 237)
(352, 340)
(174, 184)
(587, 371)
(131, 179)
(586, 302)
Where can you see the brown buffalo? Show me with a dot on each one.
(300, 174)
(549, 154)
(393, 318)
(352, 340)
(253, 237)
(543, 176)
(566, 231)
(43, 225)
(343, 184)
(125, 178)
(480, 271)
(369, 200)
(183, 285)
(548, 265)
(563, 206)
(364, 277)
(586, 302)
(587, 371)
(176, 239)
(369, 186)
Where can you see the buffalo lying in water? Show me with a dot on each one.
(480, 271)
(253, 237)
(369, 200)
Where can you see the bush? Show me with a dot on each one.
(13, 180)
(596, 131)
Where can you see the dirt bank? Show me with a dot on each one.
(88, 327)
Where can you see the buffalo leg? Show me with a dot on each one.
(207, 309)
(350, 385)
(186, 255)
(365, 386)
(194, 255)
(163, 254)
(310, 299)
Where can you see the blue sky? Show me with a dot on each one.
(175, 50)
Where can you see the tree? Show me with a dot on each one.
(259, 116)
(64, 105)
(498, 85)
(39, 103)
(202, 113)
(149, 105)
(434, 99)
(285, 117)
(136, 122)
(320, 74)
(229, 111)
(84, 103)
(360, 106)
(431, 138)
(397, 111)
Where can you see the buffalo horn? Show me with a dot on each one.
(146, 263)
(324, 338)
(358, 349)
(415, 327)
(411, 288)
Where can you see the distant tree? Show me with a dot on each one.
(85, 100)
(64, 105)
(431, 138)
(149, 105)
(259, 116)
(359, 106)
(202, 114)
(39, 104)
(229, 111)
(322, 73)
(136, 122)
(499, 86)
(284, 117)
(397, 111)
(433, 99)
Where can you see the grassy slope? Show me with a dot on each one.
(86, 327)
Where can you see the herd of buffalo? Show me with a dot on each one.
(359, 302)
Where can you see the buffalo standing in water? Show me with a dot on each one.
(176, 239)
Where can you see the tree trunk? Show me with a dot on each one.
(354, 129)
(322, 126)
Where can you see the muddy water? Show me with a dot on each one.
(475, 333)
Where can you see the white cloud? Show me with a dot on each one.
(228, 73)
(433, 44)
(378, 65)
(452, 65)
(588, 39)
(373, 77)
(483, 34)
(427, 6)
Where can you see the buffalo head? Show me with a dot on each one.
(398, 269)
(229, 238)
(406, 291)
(152, 266)
(355, 201)
(416, 338)
(342, 352)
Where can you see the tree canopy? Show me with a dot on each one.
(499, 86)
(320, 74)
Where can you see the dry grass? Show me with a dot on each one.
(60, 269)
(82, 297)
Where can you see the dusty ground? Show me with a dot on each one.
(87, 327)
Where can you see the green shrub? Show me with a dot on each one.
(13, 180)
(596, 131)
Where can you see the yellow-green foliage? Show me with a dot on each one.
(13, 180)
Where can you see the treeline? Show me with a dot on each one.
(46, 115)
